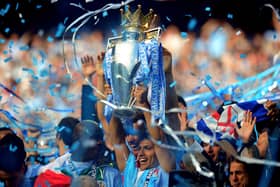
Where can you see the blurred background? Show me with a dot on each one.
(218, 47)
(32, 15)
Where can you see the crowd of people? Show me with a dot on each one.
(54, 131)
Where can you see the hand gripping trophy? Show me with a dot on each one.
(135, 57)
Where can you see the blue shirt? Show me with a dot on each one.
(154, 177)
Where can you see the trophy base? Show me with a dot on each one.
(124, 112)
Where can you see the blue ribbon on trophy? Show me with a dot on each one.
(134, 58)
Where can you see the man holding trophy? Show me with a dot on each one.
(136, 58)
(134, 70)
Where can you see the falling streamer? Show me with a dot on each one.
(85, 18)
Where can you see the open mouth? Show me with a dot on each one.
(133, 145)
(143, 160)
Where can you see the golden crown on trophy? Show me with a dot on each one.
(137, 21)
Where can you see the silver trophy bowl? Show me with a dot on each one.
(124, 67)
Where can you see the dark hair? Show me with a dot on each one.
(7, 129)
(233, 159)
(88, 142)
(65, 129)
(90, 130)
(12, 153)
(181, 100)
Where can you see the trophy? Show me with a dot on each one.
(125, 58)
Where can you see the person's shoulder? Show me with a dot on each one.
(61, 159)
(57, 163)
(110, 169)
(158, 171)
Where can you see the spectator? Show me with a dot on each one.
(12, 161)
(64, 134)
(86, 158)
(183, 116)
(238, 174)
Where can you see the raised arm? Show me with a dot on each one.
(247, 127)
(90, 67)
(117, 138)
(165, 157)
(100, 87)
(171, 96)
(88, 109)
(114, 131)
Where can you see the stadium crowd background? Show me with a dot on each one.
(32, 63)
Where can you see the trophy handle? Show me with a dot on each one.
(113, 41)
(152, 33)
(149, 34)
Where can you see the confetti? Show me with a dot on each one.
(44, 73)
(39, 6)
(11, 43)
(184, 35)
(51, 89)
(24, 48)
(5, 10)
(163, 27)
(62, 110)
(61, 129)
(50, 39)
(208, 77)
(30, 71)
(92, 97)
(195, 89)
(105, 13)
(230, 16)
(17, 5)
(43, 54)
(96, 21)
(12, 148)
(59, 30)
(114, 32)
(217, 43)
(192, 24)
(208, 9)
(171, 85)
(65, 20)
(8, 59)
(238, 33)
(2, 41)
(243, 55)
(73, 29)
(7, 30)
(168, 19)
(34, 61)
